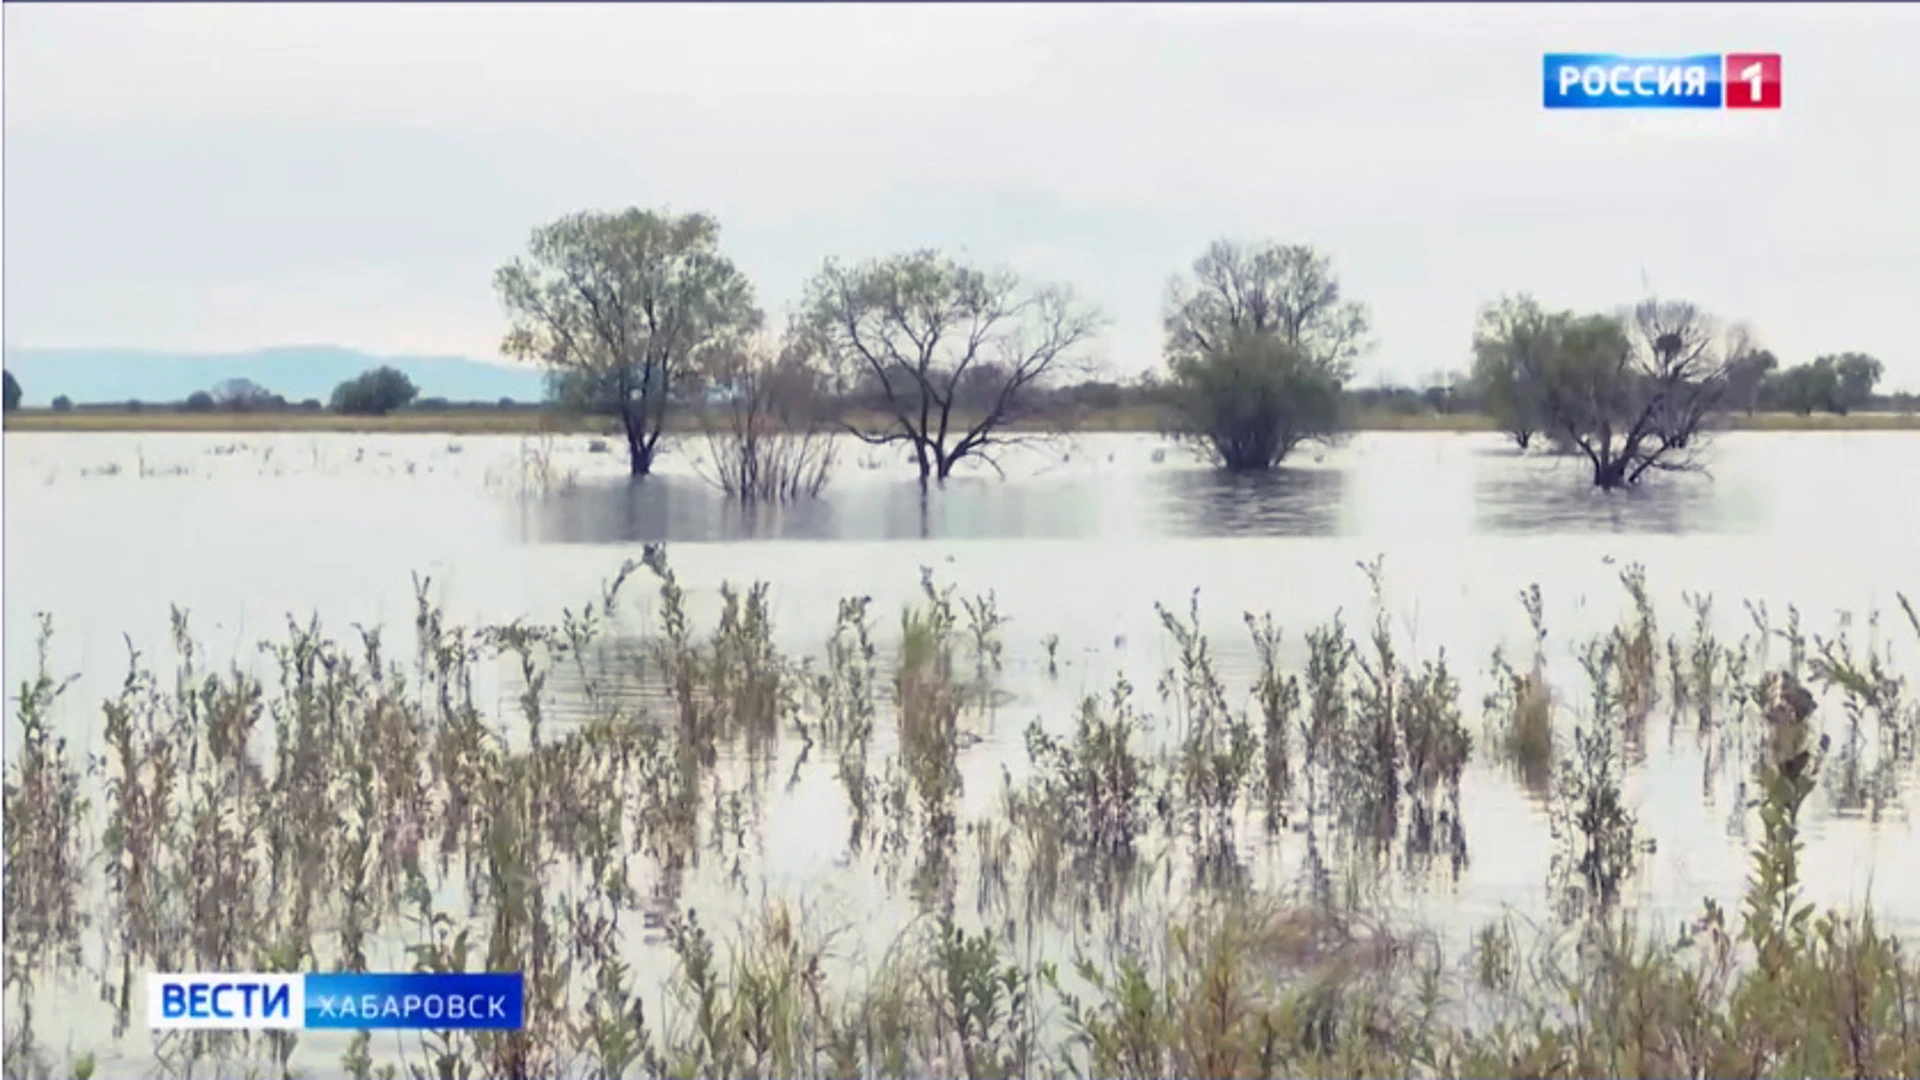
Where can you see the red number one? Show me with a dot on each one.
(1753, 80)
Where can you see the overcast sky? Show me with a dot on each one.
(234, 176)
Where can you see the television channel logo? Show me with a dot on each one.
(357, 1001)
(1704, 81)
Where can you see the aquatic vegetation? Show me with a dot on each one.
(1520, 706)
(1193, 881)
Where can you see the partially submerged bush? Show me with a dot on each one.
(1260, 343)
(766, 426)
(1251, 402)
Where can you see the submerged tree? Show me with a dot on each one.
(1259, 345)
(948, 355)
(1251, 399)
(624, 309)
(767, 425)
(1632, 393)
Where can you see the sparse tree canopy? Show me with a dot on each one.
(767, 425)
(624, 308)
(1289, 291)
(1632, 393)
(12, 391)
(1259, 345)
(952, 353)
(374, 393)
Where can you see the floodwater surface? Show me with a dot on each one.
(1078, 543)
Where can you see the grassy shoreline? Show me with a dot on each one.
(544, 422)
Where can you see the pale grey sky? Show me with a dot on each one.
(233, 176)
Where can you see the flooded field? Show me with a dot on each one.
(1114, 765)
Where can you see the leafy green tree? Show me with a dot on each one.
(1855, 375)
(951, 354)
(1512, 347)
(198, 401)
(374, 393)
(624, 309)
(12, 391)
(63, 403)
(1251, 399)
(1267, 321)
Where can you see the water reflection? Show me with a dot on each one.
(1534, 495)
(679, 509)
(1285, 502)
(1475, 489)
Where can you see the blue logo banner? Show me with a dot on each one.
(1611, 81)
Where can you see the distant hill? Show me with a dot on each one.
(294, 372)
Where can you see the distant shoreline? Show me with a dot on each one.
(542, 422)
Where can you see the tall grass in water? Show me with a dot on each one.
(46, 851)
(1153, 896)
(1520, 706)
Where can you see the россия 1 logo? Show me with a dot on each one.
(1707, 81)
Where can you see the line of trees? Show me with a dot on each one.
(637, 312)
(1837, 384)
(373, 393)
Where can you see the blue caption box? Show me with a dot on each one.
(415, 1002)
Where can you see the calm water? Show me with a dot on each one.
(105, 532)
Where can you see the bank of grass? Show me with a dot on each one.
(554, 422)
(351, 798)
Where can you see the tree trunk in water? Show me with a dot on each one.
(1611, 474)
(639, 453)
